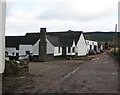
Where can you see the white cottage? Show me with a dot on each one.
(68, 43)
(12, 45)
(91, 45)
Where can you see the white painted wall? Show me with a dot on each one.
(56, 53)
(50, 47)
(24, 48)
(2, 35)
(93, 43)
(101, 47)
(36, 48)
(71, 53)
(11, 51)
(81, 46)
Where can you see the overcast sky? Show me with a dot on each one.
(61, 15)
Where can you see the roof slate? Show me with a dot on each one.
(30, 38)
(64, 39)
(13, 41)
(61, 39)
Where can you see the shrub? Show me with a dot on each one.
(13, 68)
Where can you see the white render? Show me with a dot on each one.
(101, 47)
(81, 47)
(11, 51)
(24, 48)
(56, 53)
(71, 53)
(36, 48)
(92, 43)
(2, 35)
(50, 47)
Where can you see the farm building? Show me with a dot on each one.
(43, 45)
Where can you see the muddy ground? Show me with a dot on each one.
(99, 75)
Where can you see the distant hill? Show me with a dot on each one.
(100, 36)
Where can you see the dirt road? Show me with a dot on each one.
(99, 75)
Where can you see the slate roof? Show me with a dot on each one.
(13, 41)
(64, 39)
(30, 38)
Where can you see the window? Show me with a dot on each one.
(13, 53)
(58, 49)
(27, 52)
(17, 54)
(73, 49)
(17, 48)
(90, 47)
(69, 50)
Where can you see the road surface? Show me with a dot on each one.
(99, 75)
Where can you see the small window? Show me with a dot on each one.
(17, 48)
(13, 53)
(58, 49)
(27, 52)
(73, 49)
(90, 47)
(69, 50)
(17, 54)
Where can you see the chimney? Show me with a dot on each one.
(42, 45)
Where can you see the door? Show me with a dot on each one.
(64, 51)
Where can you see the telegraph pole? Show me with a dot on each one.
(115, 39)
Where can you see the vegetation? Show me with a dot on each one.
(15, 68)
(106, 38)
(100, 36)
(13, 75)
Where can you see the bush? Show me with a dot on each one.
(13, 68)
(117, 55)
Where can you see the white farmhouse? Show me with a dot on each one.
(92, 45)
(68, 43)
(12, 46)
